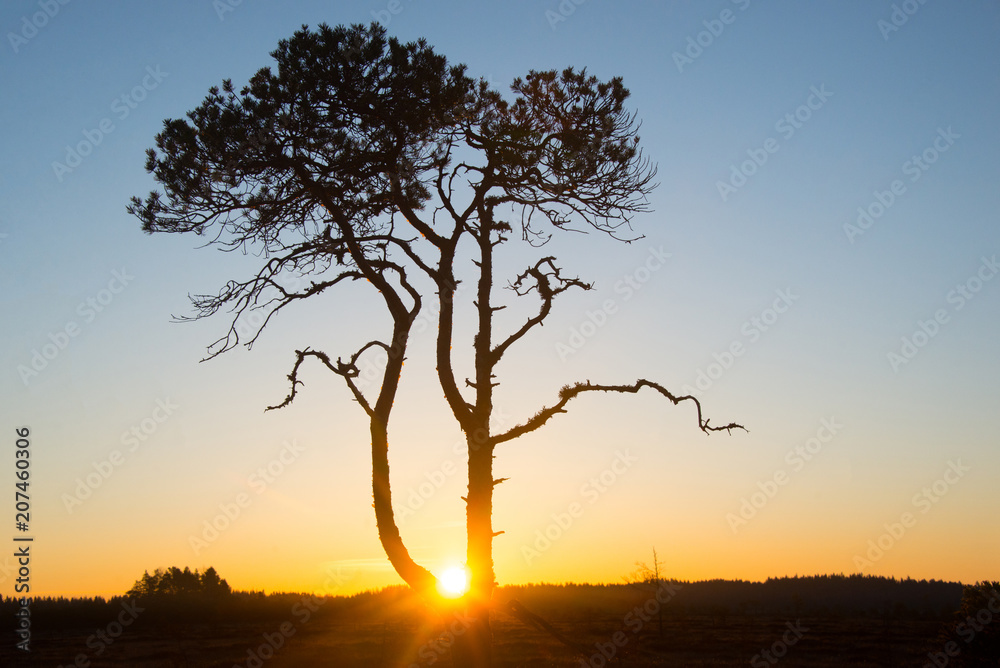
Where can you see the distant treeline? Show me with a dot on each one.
(819, 596)
(179, 597)
(182, 597)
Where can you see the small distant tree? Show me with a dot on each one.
(363, 159)
(644, 574)
(649, 579)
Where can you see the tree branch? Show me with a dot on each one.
(546, 291)
(348, 370)
(572, 391)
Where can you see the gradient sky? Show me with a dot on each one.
(833, 100)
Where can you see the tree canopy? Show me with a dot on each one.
(175, 582)
(315, 164)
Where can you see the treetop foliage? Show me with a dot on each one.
(351, 155)
(175, 582)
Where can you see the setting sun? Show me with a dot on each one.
(453, 582)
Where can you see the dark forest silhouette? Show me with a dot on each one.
(924, 616)
(825, 595)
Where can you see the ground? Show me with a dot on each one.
(691, 641)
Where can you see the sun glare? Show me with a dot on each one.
(453, 582)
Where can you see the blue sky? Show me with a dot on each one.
(820, 107)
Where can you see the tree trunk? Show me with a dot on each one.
(388, 533)
(474, 647)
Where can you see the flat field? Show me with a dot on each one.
(693, 641)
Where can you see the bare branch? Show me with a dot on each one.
(572, 391)
(411, 216)
(348, 370)
(547, 284)
(246, 296)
